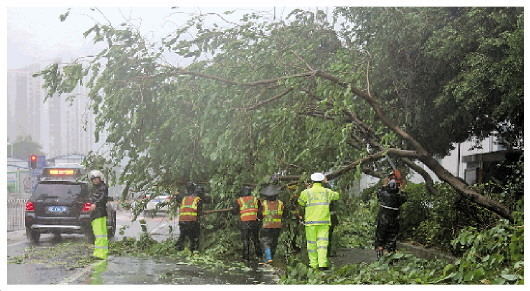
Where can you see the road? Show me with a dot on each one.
(64, 260)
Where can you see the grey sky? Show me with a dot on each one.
(35, 33)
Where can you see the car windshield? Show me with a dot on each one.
(64, 192)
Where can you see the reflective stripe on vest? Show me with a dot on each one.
(248, 208)
(317, 207)
(188, 208)
(272, 213)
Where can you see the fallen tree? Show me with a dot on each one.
(297, 95)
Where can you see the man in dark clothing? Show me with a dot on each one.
(98, 215)
(247, 207)
(189, 216)
(388, 218)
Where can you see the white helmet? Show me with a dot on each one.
(318, 177)
(95, 174)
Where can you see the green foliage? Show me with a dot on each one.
(435, 221)
(248, 105)
(356, 226)
(465, 63)
(391, 269)
(492, 256)
(23, 147)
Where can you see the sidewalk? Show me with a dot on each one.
(16, 236)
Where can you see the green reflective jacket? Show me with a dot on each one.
(316, 201)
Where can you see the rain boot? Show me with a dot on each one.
(268, 255)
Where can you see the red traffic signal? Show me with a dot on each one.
(33, 161)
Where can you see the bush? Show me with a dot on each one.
(491, 256)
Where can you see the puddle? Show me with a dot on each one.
(133, 270)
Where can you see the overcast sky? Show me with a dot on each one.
(35, 33)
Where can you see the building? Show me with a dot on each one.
(472, 164)
(60, 126)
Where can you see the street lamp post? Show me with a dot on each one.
(10, 149)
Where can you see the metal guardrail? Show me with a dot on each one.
(15, 214)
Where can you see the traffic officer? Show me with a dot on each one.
(247, 207)
(388, 217)
(189, 214)
(98, 214)
(316, 202)
(271, 213)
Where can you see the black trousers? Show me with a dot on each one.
(250, 235)
(192, 230)
(269, 238)
(387, 229)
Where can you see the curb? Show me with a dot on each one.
(421, 252)
(80, 273)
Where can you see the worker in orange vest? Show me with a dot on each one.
(271, 213)
(247, 207)
(189, 214)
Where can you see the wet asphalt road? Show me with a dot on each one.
(53, 261)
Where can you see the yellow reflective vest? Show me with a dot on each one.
(316, 201)
(272, 213)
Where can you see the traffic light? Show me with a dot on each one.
(33, 161)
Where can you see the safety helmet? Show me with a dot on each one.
(392, 186)
(190, 187)
(317, 177)
(199, 190)
(246, 191)
(95, 174)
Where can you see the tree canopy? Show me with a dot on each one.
(23, 147)
(309, 92)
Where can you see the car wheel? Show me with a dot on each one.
(112, 231)
(89, 235)
(32, 235)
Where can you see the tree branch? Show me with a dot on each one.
(353, 165)
(378, 110)
(258, 105)
(429, 183)
(178, 71)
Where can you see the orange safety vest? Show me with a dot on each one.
(248, 208)
(188, 208)
(272, 213)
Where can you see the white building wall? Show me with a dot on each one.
(453, 162)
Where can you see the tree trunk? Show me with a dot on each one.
(425, 156)
(465, 190)
(429, 183)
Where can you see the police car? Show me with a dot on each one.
(60, 204)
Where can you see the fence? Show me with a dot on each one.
(15, 214)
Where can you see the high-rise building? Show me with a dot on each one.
(62, 126)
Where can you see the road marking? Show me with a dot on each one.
(12, 245)
(79, 274)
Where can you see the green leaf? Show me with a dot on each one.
(510, 277)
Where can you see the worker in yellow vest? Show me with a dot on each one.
(189, 214)
(317, 219)
(271, 214)
(247, 207)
